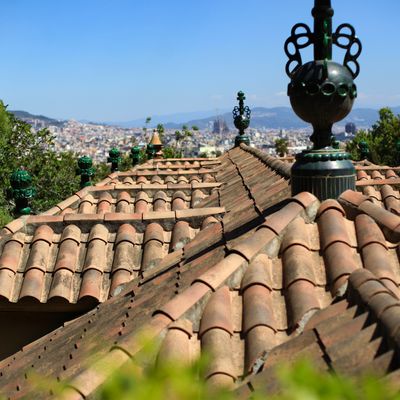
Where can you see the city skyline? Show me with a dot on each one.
(99, 61)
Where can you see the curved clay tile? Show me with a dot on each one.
(374, 252)
(129, 181)
(195, 178)
(141, 179)
(178, 201)
(91, 285)
(43, 233)
(10, 256)
(376, 175)
(390, 174)
(153, 243)
(180, 235)
(372, 193)
(362, 175)
(387, 191)
(169, 179)
(298, 273)
(33, 284)
(258, 317)
(156, 179)
(296, 234)
(216, 329)
(258, 273)
(36, 266)
(197, 197)
(67, 211)
(159, 204)
(208, 178)
(176, 344)
(391, 199)
(380, 300)
(141, 204)
(9, 263)
(340, 258)
(95, 263)
(123, 203)
(104, 203)
(208, 221)
(86, 205)
(124, 256)
(182, 179)
(61, 285)
(66, 263)
(179, 195)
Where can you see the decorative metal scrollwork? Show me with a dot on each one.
(352, 45)
(241, 114)
(298, 41)
(237, 112)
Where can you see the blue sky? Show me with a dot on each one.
(117, 60)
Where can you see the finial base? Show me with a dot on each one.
(324, 173)
(242, 139)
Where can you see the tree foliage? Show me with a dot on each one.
(53, 174)
(183, 136)
(281, 147)
(382, 140)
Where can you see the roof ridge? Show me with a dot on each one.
(279, 166)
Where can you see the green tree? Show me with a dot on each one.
(171, 152)
(160, 130)
(53, 174)
(147, 122)
(382, 139)
(281, 147)
(183, 136)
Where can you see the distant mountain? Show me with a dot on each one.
(28, 117)
(284, 118)
(261, 117)
(176, 118)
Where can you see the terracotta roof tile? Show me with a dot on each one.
(176, 344)
(252, 274)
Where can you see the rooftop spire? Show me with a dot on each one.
(322, 92)
(322, 13)
(22, 191)
(241, 119)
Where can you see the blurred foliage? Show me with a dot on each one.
(298, 381)
(148, 377)
(381, 139)
(281, 147)
(302, 381)
(171, 152)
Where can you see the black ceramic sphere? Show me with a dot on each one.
(322, 93)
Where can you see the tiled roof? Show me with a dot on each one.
(106, 235)
(357, 335)
(256, 284)
(381, 184)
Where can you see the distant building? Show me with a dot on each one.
(220, 126)
(351, 128)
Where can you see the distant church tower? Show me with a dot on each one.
(220, 126)
(351, 128)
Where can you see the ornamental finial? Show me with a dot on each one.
(85, 170)
(114, 157)
(241, 119)
(322, 92)
(135, 155)
(22, 191)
